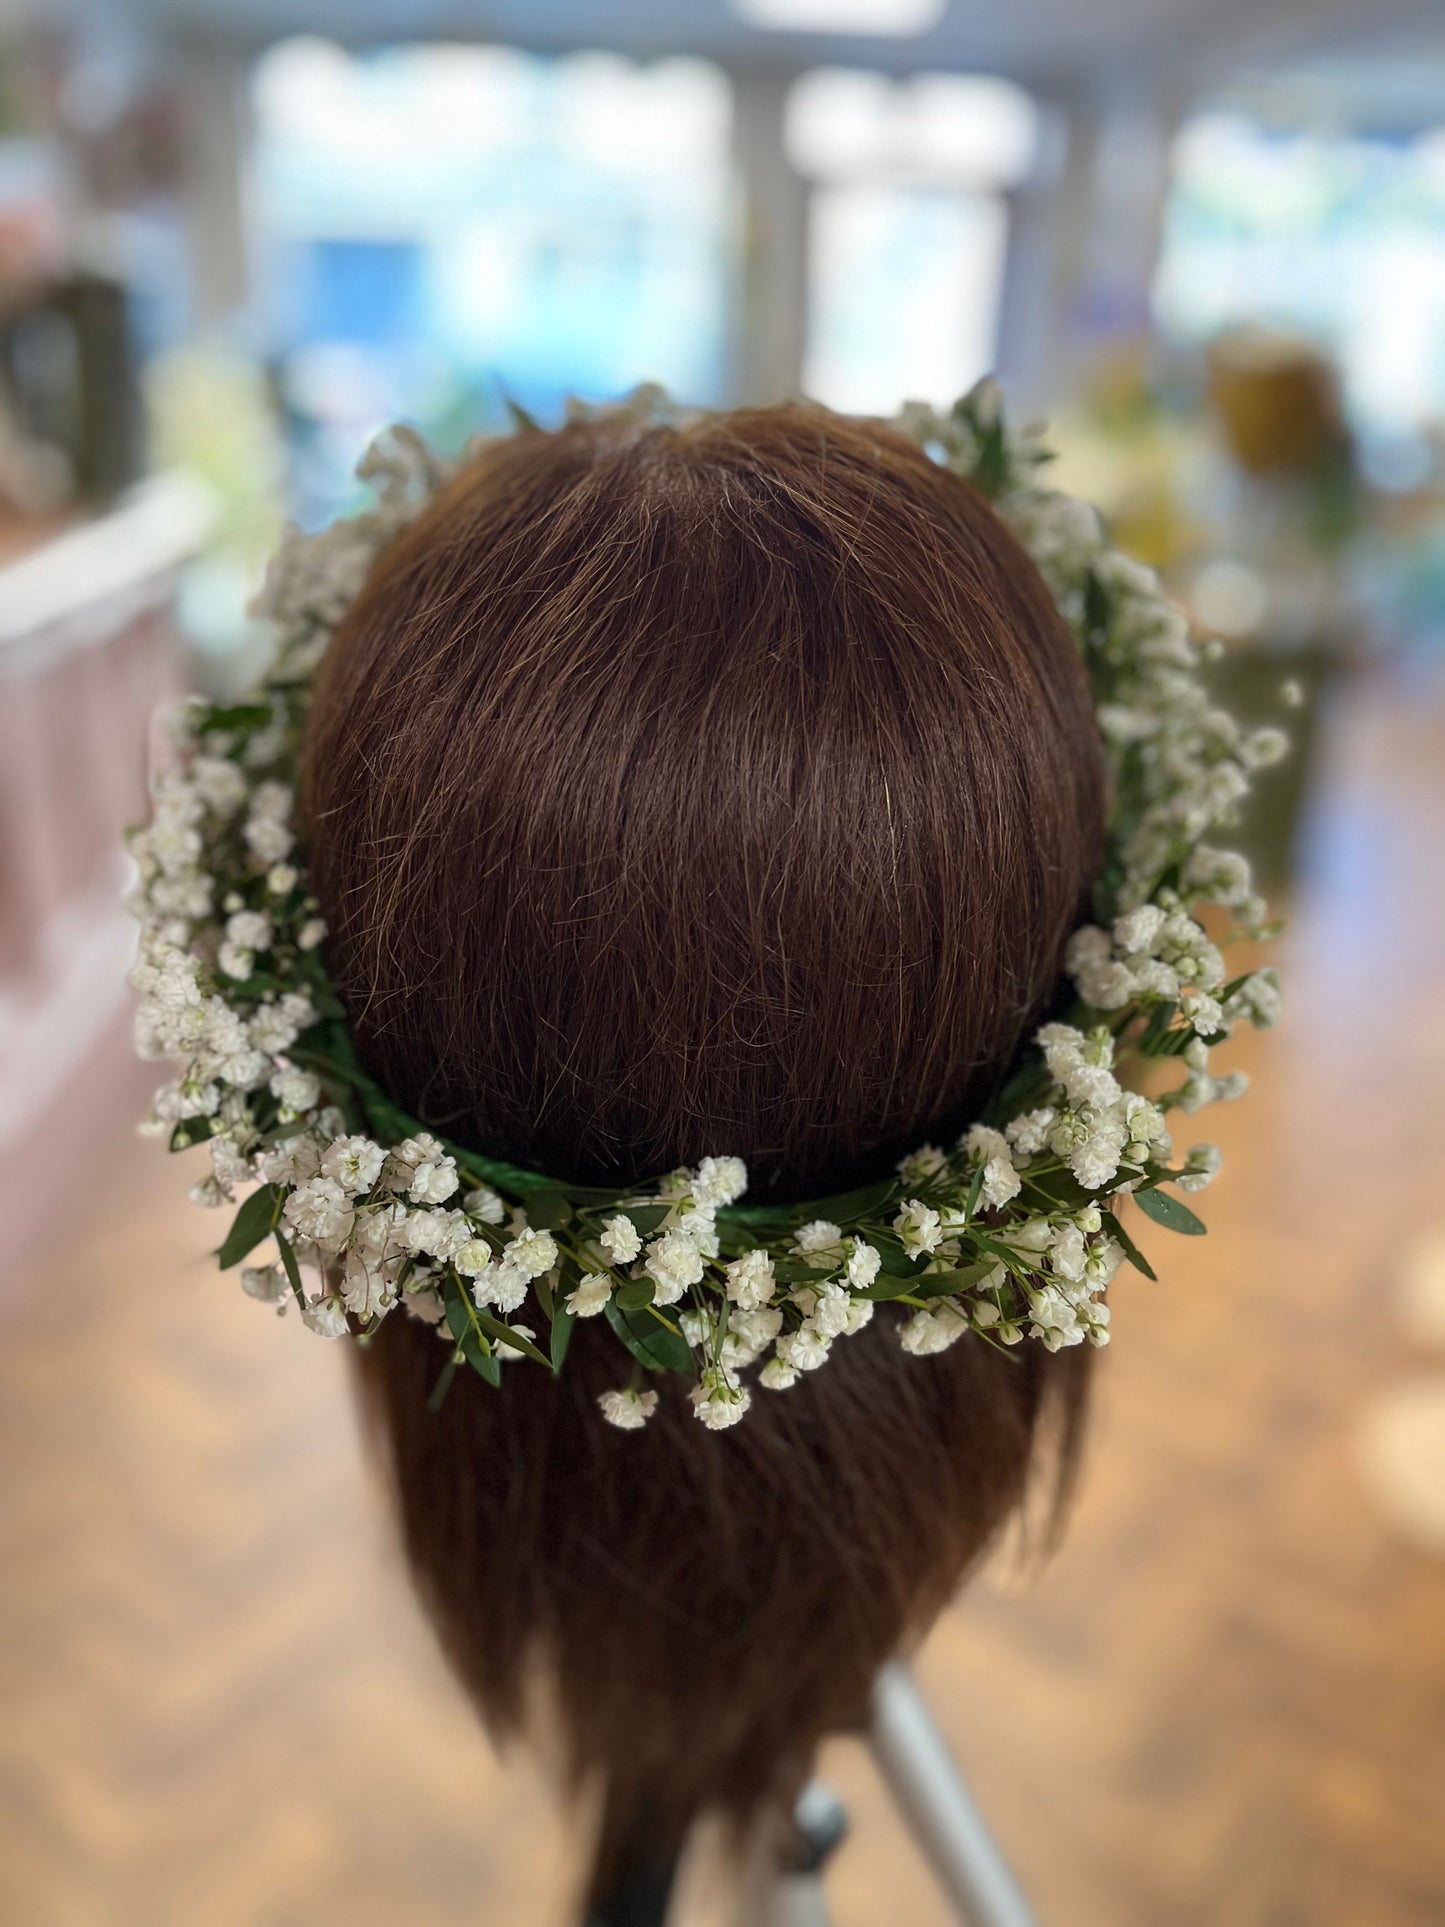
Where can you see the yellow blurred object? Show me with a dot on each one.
(1278, 400)
(1120, 449)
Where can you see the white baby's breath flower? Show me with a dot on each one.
(1068, 1253)
(272, 800)
(354, 1162)
(506, 1351)
(777, 1375)
(1264, 747)
(502, 1286)
(1138, 930)
(531, 1253)
(933, 1331)
(311, 933)
(320, 1211)
(919, 1227)
(421, 1148)
(591, 1294)
(483, 1203)
(719, 1400)
(326, 1317)
(281, 879)
(921, 1165)
(271, 1030)
(221, 786)
(828, 1312)
(269, 840)
(1206, 1013)
(620, 1240)
(422, 1301)
(296, 1089)
(444, 1235)
(1064, 1047)
(696, 1328)
(820, 1241)
(1027, 1234)
(987, 1318)
(674, 1263)
(863, 1265)
(1028, 1134)
(628, 1409)
(472, 1258)
(749, 1335)
(750, 1280)
(804, 1350)
(719, 1181)
(1258, 998)
(1055, 1319)
(368, 1285)
(265, 1282)
(433, 1182)
(290, 1161)
(1201, 1167)
(249, 930)
(1091, 1086)
(237, 962)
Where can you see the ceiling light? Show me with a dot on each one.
(895, 19)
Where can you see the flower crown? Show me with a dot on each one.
(1012, 1233)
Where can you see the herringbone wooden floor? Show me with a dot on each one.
(1223, 1705)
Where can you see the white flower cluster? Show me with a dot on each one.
(1010, 1234)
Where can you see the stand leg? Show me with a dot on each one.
(929, 1791)
(795, 1896)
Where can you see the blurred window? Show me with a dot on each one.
(1340, 237)
(442, 225)
(908, 229)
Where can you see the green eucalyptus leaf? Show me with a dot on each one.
(547, 1210)
(801, 1271)
(1031, 1075)
(884, 1287)
(948, 1284)
(288, 1259)
(504, 1334)
(896, 1261)
(647, 1217)
(651, 1343)
(665, 1344)
(1063, 1187)
(843, 1208)
(256, 1219)
(462, 1323)
(635, 1294)
(975, 1191)
(486, 1365)
(1169, 1212)
(1132, 1252)
(236, 716)
(759, 1221)
(562, 1322)
(1151, 1041)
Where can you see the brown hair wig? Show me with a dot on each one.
(729, 786)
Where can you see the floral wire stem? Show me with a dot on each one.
(1012, 1233)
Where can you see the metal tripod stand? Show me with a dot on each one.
(921, 1774)
(930, 1793)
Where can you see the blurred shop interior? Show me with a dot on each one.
(1206, 242)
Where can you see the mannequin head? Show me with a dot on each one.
(724, 787)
